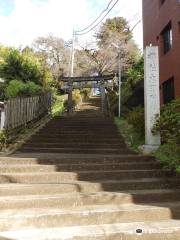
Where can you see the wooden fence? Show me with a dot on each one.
(20, 111)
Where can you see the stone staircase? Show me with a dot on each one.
(76, 179)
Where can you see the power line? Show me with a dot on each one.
(99, 21)
(82, 30)
(135, 25)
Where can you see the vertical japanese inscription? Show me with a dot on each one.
(152, 102)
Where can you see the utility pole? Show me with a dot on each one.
(72, 53)
(120, 70)
(120, 74)
(70, 100)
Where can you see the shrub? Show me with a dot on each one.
(14, 88)
(24, 66)
(168, 124)
(136, 119)
(85, 93)
(32, 89)
(77, 98)
(169, 156)
(2, 96)
(18, 88)
(113, 102)
(3, 139)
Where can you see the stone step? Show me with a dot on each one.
(95, 128)
(78, 138)
(165, 230)
(75, 150)
(12, 168)
(81, 134)
(82, 126)
(73, 145)
(73, 200)
(14, 219)
(74, 159)
(81, 140)
(86, 187)
(57, 177)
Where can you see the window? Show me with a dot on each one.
(168, 90)
(167, 38)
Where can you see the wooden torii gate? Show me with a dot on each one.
(83, 82)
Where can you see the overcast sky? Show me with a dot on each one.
(21, 21)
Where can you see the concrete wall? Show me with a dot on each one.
(155, 17)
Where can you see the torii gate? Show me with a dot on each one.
(100, 82)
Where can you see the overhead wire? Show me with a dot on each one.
(79, 34)
(82, 30)
(136, 25)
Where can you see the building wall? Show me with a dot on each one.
(156, 16)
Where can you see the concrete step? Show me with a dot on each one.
(74, 145)
(14, 219)
(57, 177)
(165, 230)
(72, 139)
(25, 168)
(73, 200)
(74, 159)
(80, 127)
(13, 189)
(76, 150)
(81, 139)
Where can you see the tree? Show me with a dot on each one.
(106, 56)
(55, 53)
(113, 29)
(23, 66)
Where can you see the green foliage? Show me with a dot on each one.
(58, 106)
(131, 136)
(24, 73)
(23, 66)
(32, 88)
(131, 88)
(77, 98)
(20, 66)
(3, 139)
(85, 93)
(113, 102)
(168, 124)
(2, 96)
(18, 88)
(136, 119)
(169, 156)
(118, 25)
(135, 73)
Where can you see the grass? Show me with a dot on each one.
(58, 106)
(131, 137)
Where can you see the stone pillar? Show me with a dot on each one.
(70, 99)
(103, 97)
(151, 97)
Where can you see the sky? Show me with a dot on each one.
(22, 21)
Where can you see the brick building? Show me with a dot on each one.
(161, 26)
